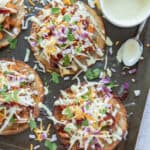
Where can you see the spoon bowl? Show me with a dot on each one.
(131, 50)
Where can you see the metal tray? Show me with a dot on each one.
(22, 142)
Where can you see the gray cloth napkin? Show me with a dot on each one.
(143, 140)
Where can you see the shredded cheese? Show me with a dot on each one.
(31, 2)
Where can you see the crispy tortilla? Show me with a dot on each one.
(38, 86)
(19, 17)
(120, 119)
(99, 39)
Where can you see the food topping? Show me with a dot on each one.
(92, 116)
(66, 36)
(18, 98)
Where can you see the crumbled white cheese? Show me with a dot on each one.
(109, 41)
(137, 92)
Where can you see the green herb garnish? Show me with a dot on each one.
(5, 72)
(70, 36)
(15, 95)
(39, 40)
(1, 27)
(78, 50)
(103, 111)
(85, 123)
(73, 1)
(12, 120)
(67, 112)
(55, 77)
(67, 18)
(112, 85)
(66, 60)
(92, 74)
(32, 124)
(50, 145)
(68, 130)
(55, 10)
(12, 43)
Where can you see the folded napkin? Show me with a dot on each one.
(143, 140)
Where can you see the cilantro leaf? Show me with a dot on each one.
(12, 43)
(85, 123)
(39, 40)
(55, 10)
(92, 74)
(67, 112)
(55, 77)
(68, 130)
(50, 145)
(5, 72)
(112, 85)
(32, 124)
(73, 1)
(66, 60)
(12, 120)
(103, 111)
(78, 50)
(1, 27)
(67, 18)
(70, 36)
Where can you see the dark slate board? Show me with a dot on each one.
(22, 142)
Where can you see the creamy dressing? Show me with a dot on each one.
(130, 52)
(99, 107)
(126, 10)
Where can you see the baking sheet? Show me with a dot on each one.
(22, 142)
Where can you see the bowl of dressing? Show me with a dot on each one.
(125, 13)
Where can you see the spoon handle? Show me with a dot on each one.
(141, 27)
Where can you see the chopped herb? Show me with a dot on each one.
(50, 145)
(5, 72)
(67, 129)
(12, 120)
(85, 123)
(92, 74)
(6, 96)
(87, 107)
(55, 77)
(55, 10)
(66, 60)
(85, 97)
(23, 83)
(96, 72)
(1, 27)
(70, 36)
(103, 111)
(78, 50)
(75, 22)
(112, 85)
(15, 95)
(67, 18)
(77, 100)
(12, 43)
(67, 112)
(63, 45)
(73, 1)
(104, 128)
(5, 87)
(32, 124)
(40, 40)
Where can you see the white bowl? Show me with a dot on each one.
(125, 13)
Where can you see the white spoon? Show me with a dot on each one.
(132, 49)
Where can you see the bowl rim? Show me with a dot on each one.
(121, 23)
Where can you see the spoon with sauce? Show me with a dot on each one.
(132, 49)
